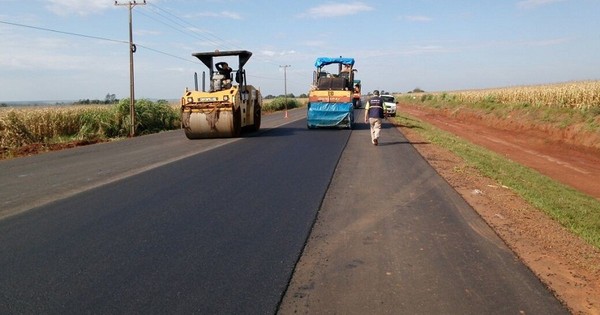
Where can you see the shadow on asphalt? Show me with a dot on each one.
(273, 132)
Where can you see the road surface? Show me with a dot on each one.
(161, 224)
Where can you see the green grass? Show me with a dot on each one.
(577, 212)
(279, 104)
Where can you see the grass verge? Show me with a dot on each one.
(578, 212)
(279, 104)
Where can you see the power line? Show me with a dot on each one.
(183, 24)
(176, 29)
(125, 42)
(166, 54)
(184, 28)
(220, 41)
(66, 33)
(96, 37)
(176, 17)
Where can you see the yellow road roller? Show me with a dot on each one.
(229, 105)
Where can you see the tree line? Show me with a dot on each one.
(109, 99)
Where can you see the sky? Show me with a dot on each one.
(79, 49)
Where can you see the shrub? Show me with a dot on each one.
(279, 103)
(151, 117)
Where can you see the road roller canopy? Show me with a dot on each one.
(207, 57)
(323, 61)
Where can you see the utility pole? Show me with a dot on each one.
(132, 49)
(285, 87)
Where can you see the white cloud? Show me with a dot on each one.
(547, 42)
(53, 59)
(79, 7)
(231, 15)
(222, 14)
(452, 47)
(272, 53)
(417, 18)
(530, 4)
(269, 53)
(177, 69)
(314, 43)
(39, 52)
(336, 9)
(428, 49)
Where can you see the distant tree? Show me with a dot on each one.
(303, 95)
(3, 105)
(416, 90)
(110, 99)
(269, 97)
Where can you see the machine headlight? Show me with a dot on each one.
(226, 98)
(190, 99)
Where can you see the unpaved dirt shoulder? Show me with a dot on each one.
(546, 149)
(566, 264)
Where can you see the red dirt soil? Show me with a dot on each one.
(37, 148)
(569, 266)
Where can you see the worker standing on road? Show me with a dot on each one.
(373, 115)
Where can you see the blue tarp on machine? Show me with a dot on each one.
(323, 114)
(323, 61)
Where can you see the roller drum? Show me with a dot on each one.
(215, 123)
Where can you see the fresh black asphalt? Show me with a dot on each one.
(220, 231)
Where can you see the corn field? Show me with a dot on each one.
(23, 126)
(578, 95)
